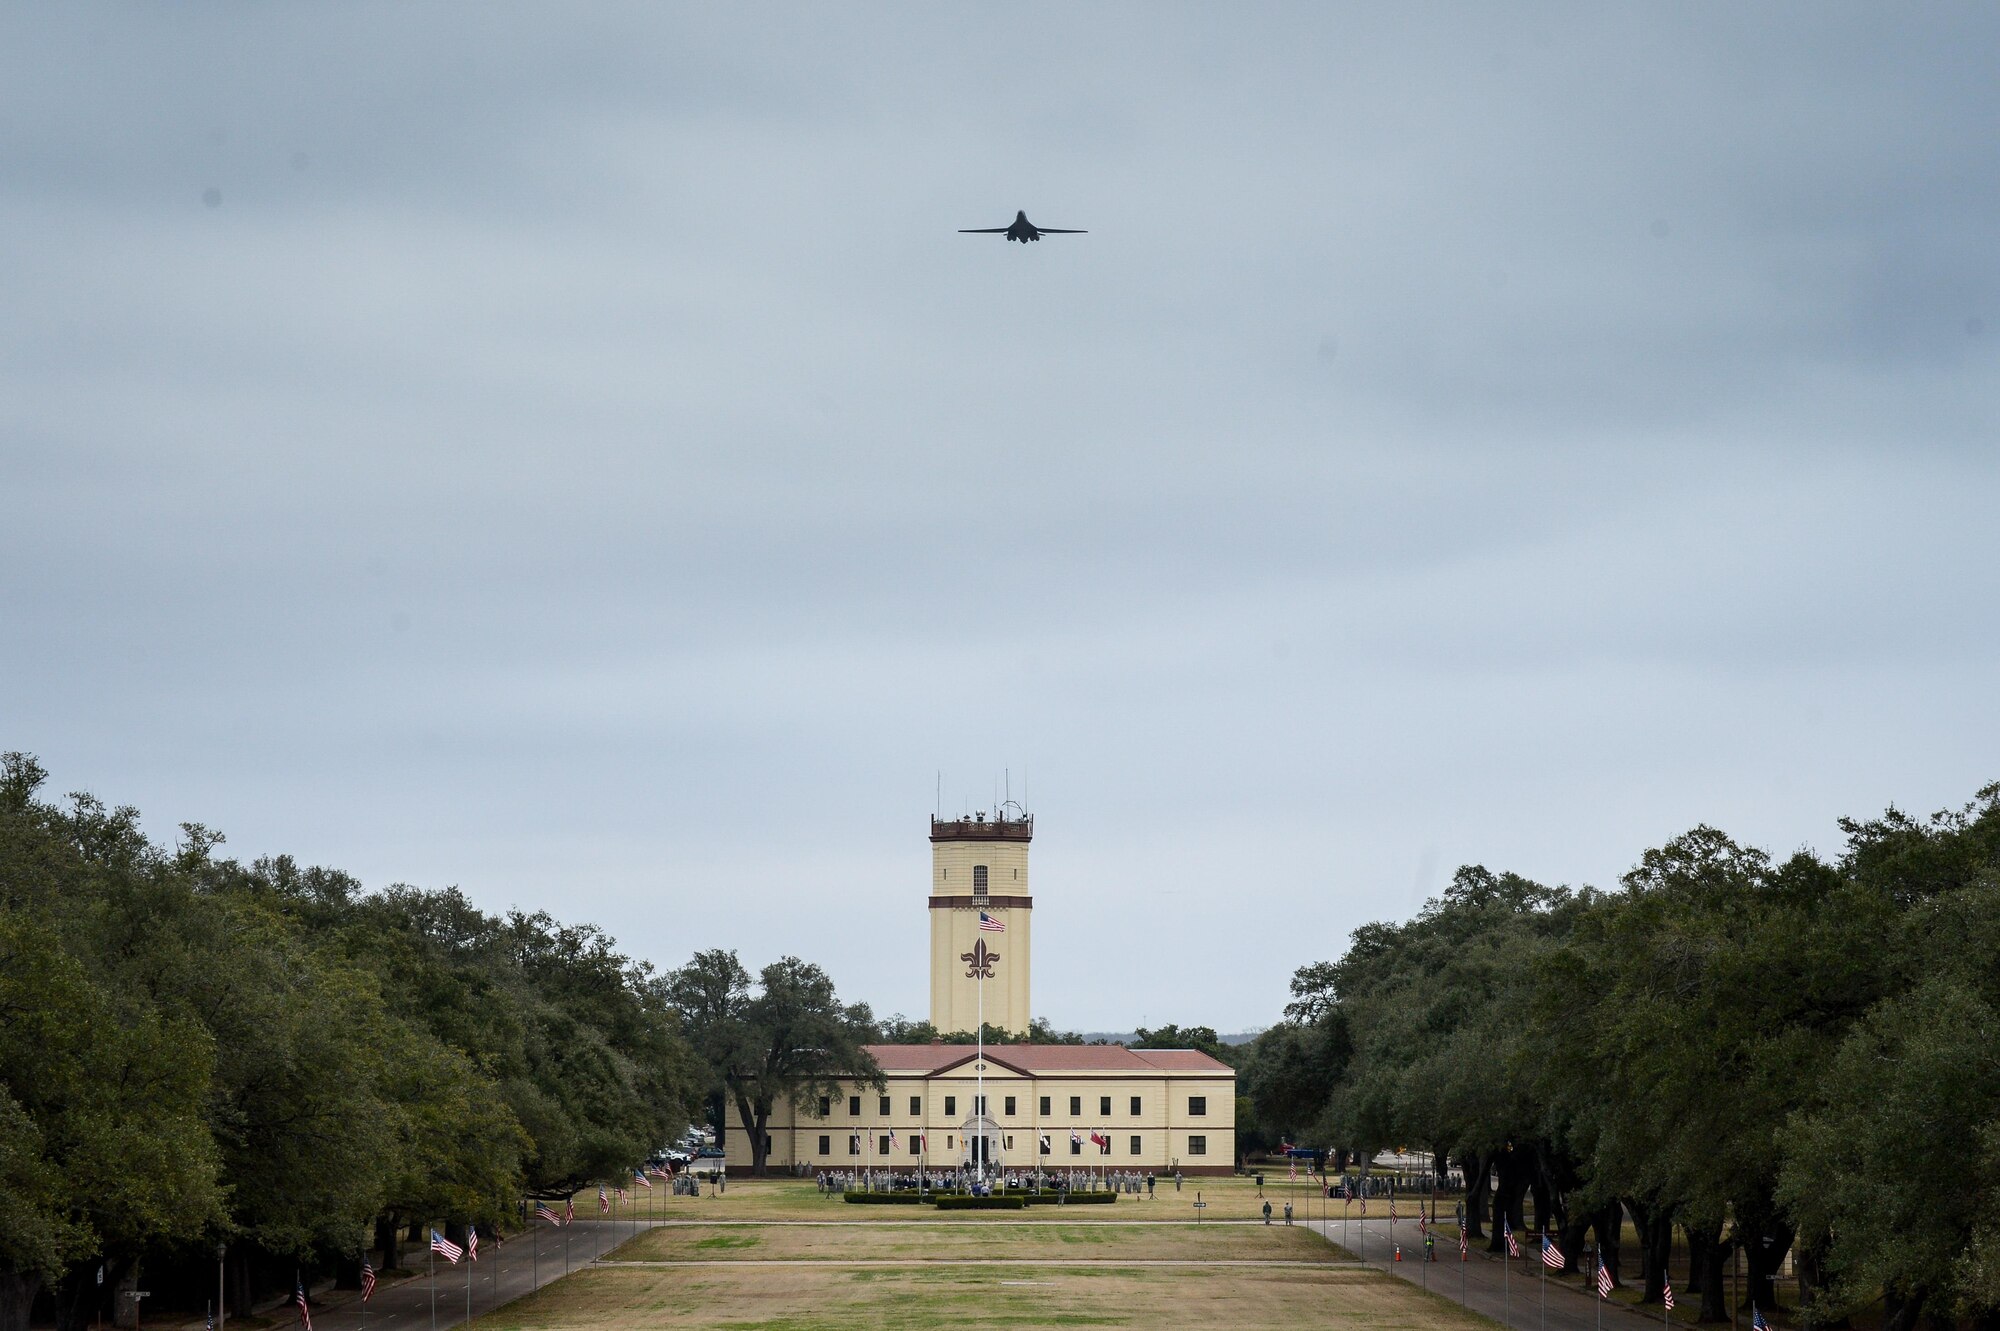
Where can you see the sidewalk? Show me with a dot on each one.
(1511, 1293)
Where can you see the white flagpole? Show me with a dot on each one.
(979, 1065)
(430, 1251)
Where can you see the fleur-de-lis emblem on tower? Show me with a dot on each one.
(982, 961)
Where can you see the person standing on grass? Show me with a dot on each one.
(1267, 1212)
(1149, 1185)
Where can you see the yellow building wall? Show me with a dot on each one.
(955, 997)
(1164, 1124)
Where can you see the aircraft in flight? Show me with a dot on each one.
(1022, 230)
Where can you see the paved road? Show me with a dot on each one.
(1512, 1293)
(504, 1272)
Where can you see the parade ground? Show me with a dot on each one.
(778, 1253)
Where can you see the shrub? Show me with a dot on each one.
(999, 1203)
(882, 1198)
(1075, 1199)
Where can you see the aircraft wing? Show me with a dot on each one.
(984, 230)
(1060, 231)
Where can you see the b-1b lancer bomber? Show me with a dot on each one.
(1022, 230)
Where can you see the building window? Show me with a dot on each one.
(1197, 1145)
(885, 1107)
(917, 1106)
(1135, 1143)
(916, 1143)
(1007, 1142)
(979, 1105)
(1008, 1104)
(1075, 1105)
(1045, 1106)
(825, 1145)
(1197, 1106)
(767, 1143)
(854, 1106)
(1075, 1146)
(825, 1106)
(885, 1145)
(1104, 1106)
(1135, 1106)
(979, 880)
(947, 1142)
(951, 1104)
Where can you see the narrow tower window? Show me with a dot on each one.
(979, 878)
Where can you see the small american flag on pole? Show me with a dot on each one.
(1603, 1280)
(1667, 1294)
(367, 1279)
(1464, 1249)
(1552, 1256)
(542, 1212)
(472, 1242)
(989, 925)
(603, 1201)
(642, 1180)
(299, 1297)
(1513, 1245)
(569, 1210)
(1757, 1322)
(445, 1248)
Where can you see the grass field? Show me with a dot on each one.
(797, 1199)
(774, 1254)
(972, 1243)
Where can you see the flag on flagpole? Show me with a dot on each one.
(542, 1212)
(569, 1210)
(1423, 1223)
(990, 925)
(895, 1143)
(1392, 1206)
(1603, 1280)
(1552, 1256)
(1464, 1250)
(367, 1279)
(445, 1248)
(1076, 1138)
(1757, 1322)
(1507, 1227)
(305, 1309)
(1667, 1294)
(472, 1242)
(603, 1199)
(641, 1179)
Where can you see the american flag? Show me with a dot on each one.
(1507, 1227)
(1392, 1208)
(1464, 1249)
(1075, 1137)
(1667, 1294)
(569, 1210)
(1757, 1322)
(895, 1142)
(299, 1297)
(445, 1248)
(642, 1180)
(367, 1279)
(542, 1212)
(603, 1201)
(1603, 1280)
(1552, 1256)
(1423, 1223)
(472, 1242)
(989, 925)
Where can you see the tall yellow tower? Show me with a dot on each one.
(979, 866)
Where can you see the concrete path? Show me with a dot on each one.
(1091, 1263)
(1512, 1293)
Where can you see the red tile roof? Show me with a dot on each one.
(1038, 1058)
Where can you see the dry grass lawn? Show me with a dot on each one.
(912, 1298)
(963, 1243)
(797, 1199)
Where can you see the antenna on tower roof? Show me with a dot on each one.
(940, 794)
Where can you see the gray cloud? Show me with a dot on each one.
(574, 456)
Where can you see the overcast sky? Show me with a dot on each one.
(569, 452)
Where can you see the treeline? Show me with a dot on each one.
(196, 1052)
(1772, 1057)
